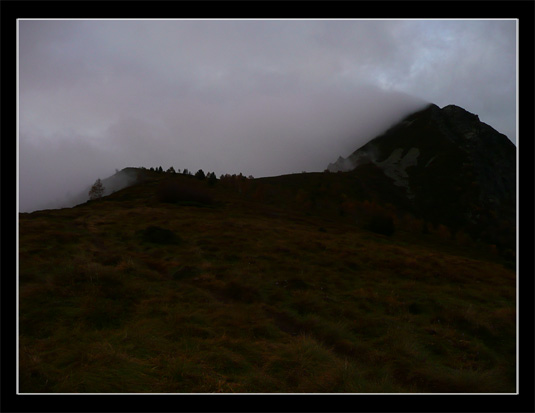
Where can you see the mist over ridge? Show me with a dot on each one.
(260, 97)
(261, 137)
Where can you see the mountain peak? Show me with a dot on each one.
(431, 125)
(454, 108)
(454, 168)
(459, 114)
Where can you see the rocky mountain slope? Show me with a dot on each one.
(453, 168)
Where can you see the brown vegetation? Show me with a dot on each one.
(270, 289)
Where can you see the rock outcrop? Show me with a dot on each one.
(455, 169)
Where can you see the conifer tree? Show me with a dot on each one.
(212, 179)
(97, 190)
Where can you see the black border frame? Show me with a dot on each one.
(524, 11)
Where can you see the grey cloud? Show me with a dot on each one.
(258, 97)
(470, 65)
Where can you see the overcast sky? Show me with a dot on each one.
(260, 97)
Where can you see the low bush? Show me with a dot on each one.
(186, 271)
(183, 192)
(157, 235)
(381, 224)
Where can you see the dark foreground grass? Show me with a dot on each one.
(136, 297)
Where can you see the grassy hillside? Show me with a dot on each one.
(265, 285)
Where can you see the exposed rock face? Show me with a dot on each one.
(455, 169)
(395, 167)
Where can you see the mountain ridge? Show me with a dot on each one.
(455, 169)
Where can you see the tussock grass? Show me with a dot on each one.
(253, 299)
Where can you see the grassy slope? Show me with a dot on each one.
(252, 298)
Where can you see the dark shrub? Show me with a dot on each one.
(381, 224)
(415, 308)
(185, 272)
(183, 192)
(157, 235)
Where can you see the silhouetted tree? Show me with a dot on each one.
(97, 190)
(212, 179)
(200, 174)
(171, 170)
